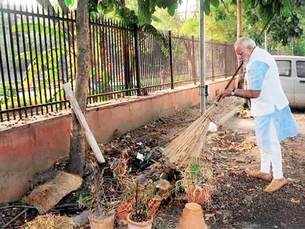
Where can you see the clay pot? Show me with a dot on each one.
(101, 222)
(123, 210)
(139, 225)
(164, 188)
(192, 217)
(196, 194)
(153, 205)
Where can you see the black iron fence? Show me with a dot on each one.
(38, 53)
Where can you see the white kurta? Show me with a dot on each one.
(273, 119)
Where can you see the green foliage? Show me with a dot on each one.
(299, 47)
(275, 13)
(69, 3)
(258, 13)
(221, 23)
(140, 12)
(196, 173)
(190, 27)
(218, 23)
(85, 200)
(113, 9)
(193, 173)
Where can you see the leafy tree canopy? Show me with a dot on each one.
(281, 18)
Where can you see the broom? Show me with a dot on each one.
(190, 142)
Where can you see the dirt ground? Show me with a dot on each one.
(237, 202)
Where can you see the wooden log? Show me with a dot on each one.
(81, 118)
(46, 196)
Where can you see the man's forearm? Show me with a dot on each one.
(247, 94)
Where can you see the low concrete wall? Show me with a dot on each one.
(34, 147)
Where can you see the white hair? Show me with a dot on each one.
(245, 42)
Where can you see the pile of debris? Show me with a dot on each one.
(134, 183)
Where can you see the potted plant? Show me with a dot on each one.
(195, 179)
(127, 201)
(120, 171)
(138, 203)
(145, 204)
(103, 205)
(197, 191)
(103, 216)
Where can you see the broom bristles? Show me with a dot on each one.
(191, 141)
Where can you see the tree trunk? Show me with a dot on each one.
(45, 4)
(127, 75)
(238, 35)
(241, 82)
(126, 56)
(63, 6)
(78, 143)
(239, 18)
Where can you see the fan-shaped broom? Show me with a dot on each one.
(190, 142)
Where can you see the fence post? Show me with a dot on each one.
(226, 67)
(137, 56)
(194, 61)
(126, 56)
(171, 58)
(213, 70)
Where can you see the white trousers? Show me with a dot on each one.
(271, 157)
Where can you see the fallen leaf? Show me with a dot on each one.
(295, 200)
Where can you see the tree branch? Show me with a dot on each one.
(45, 4)
(63, 6)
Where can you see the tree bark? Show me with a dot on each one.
(63, 6)
(239, 18)
(126, 56)
(45, 4)
(238, 35)
(77, 142)
(127, 75)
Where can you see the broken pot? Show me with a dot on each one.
(101, 222)
(192, 217)
(123, 210)
(154, 205)
(199, 195)
(138, 225)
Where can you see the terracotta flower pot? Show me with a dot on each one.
(123, 210)
(199, 195)
(139, 225)
(192, 217)
(164, 188)
(101, 222)
(153, 205)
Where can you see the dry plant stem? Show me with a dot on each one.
(15, 218)
(137, 197)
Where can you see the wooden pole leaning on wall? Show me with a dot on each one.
(82, 120)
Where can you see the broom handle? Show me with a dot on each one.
(232, 78)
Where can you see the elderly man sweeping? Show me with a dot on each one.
(269, 107)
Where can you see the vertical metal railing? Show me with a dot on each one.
(38, 53)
